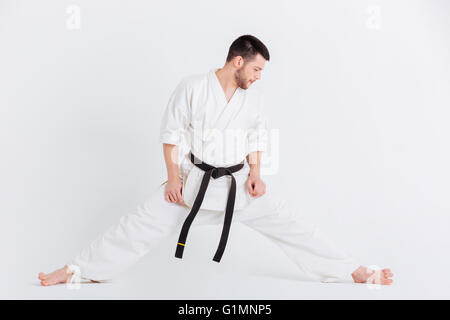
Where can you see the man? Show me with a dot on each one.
(222, 123)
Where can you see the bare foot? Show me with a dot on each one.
(58, 276)
(365, 275)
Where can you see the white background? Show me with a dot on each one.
(361, 101)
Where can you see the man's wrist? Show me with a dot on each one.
(173, 177)
(254, 173)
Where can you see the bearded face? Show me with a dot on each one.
(242, 79)
(249, 72)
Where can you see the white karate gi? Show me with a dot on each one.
(199, 118)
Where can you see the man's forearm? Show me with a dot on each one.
(171, 158)
(254, 162)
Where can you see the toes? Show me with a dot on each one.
(46, 283)
(388, 281)
(387, 273)
(42, 275)
(49, 282)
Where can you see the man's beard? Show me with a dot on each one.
(240, 80)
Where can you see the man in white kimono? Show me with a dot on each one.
(213, 133)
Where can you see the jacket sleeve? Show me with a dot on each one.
(258, 133)
(176, 116)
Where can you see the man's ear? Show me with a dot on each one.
(238, 61)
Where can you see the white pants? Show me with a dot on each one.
(137, 233)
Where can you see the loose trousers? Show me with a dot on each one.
(123, 244)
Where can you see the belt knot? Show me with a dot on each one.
(220, 172)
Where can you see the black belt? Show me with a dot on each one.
(214, 172)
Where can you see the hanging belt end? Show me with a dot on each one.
(179, 251)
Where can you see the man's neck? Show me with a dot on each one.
(226, 79)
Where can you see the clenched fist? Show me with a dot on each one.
(256, 187)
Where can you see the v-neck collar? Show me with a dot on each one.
(223, 97)
(221, 115)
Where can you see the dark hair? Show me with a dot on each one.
(247, 47)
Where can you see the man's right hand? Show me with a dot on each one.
(173, 191)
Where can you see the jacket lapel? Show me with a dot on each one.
(224, 111)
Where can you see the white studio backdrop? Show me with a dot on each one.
(358, 91)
